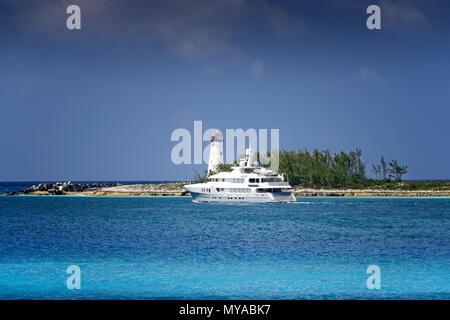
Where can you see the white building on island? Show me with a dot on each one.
(215, 152)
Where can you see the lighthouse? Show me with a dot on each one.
(215, 152)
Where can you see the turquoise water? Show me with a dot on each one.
(171, 248)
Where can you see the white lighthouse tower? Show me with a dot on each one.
(215, 152)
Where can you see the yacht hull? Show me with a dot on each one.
(243, 198)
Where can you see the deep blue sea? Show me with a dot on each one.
(171, 248)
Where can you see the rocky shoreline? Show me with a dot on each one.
(177, 189)
(96, 189)
(61, 188)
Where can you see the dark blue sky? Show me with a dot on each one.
(101, 103)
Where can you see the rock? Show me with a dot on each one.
(55, 192)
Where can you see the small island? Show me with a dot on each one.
(392, 189)
(311, 174)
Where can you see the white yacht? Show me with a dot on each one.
(245, 183)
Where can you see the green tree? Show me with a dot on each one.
(222, 168)
(396, 171)
(380, 170)
(323, 168)
(376, 169)
(200, 178)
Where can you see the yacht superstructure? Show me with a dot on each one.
(245, 183)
